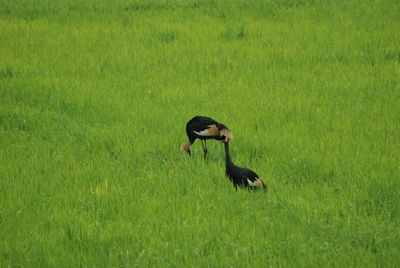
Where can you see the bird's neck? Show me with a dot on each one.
(227, 154)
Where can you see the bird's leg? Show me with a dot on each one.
(203, 142)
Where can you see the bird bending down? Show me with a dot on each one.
(243, 177)
(204, 128)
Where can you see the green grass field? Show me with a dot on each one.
(94, 98)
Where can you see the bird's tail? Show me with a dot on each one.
(260, 184)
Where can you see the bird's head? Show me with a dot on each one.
(185, 147)
(226, 135)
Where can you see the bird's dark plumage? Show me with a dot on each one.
(243, 177)
(204, 128)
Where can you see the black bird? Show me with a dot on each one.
(243, 177)
(204, 128)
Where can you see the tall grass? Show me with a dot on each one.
(94, 100)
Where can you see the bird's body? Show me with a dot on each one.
(243, 177)
(205, 128)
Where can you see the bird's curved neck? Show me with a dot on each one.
(227, 154)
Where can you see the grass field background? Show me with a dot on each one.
(94, 98)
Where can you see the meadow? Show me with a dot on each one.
(94, 98)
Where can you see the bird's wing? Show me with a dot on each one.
(203, 126)
(211, 130)
(248, 175)
(257, 183)
(253, 180)
(204, 120)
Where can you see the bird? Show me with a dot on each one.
(242, 177)
(204, 128)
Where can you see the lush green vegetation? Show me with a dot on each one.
(94, 97)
